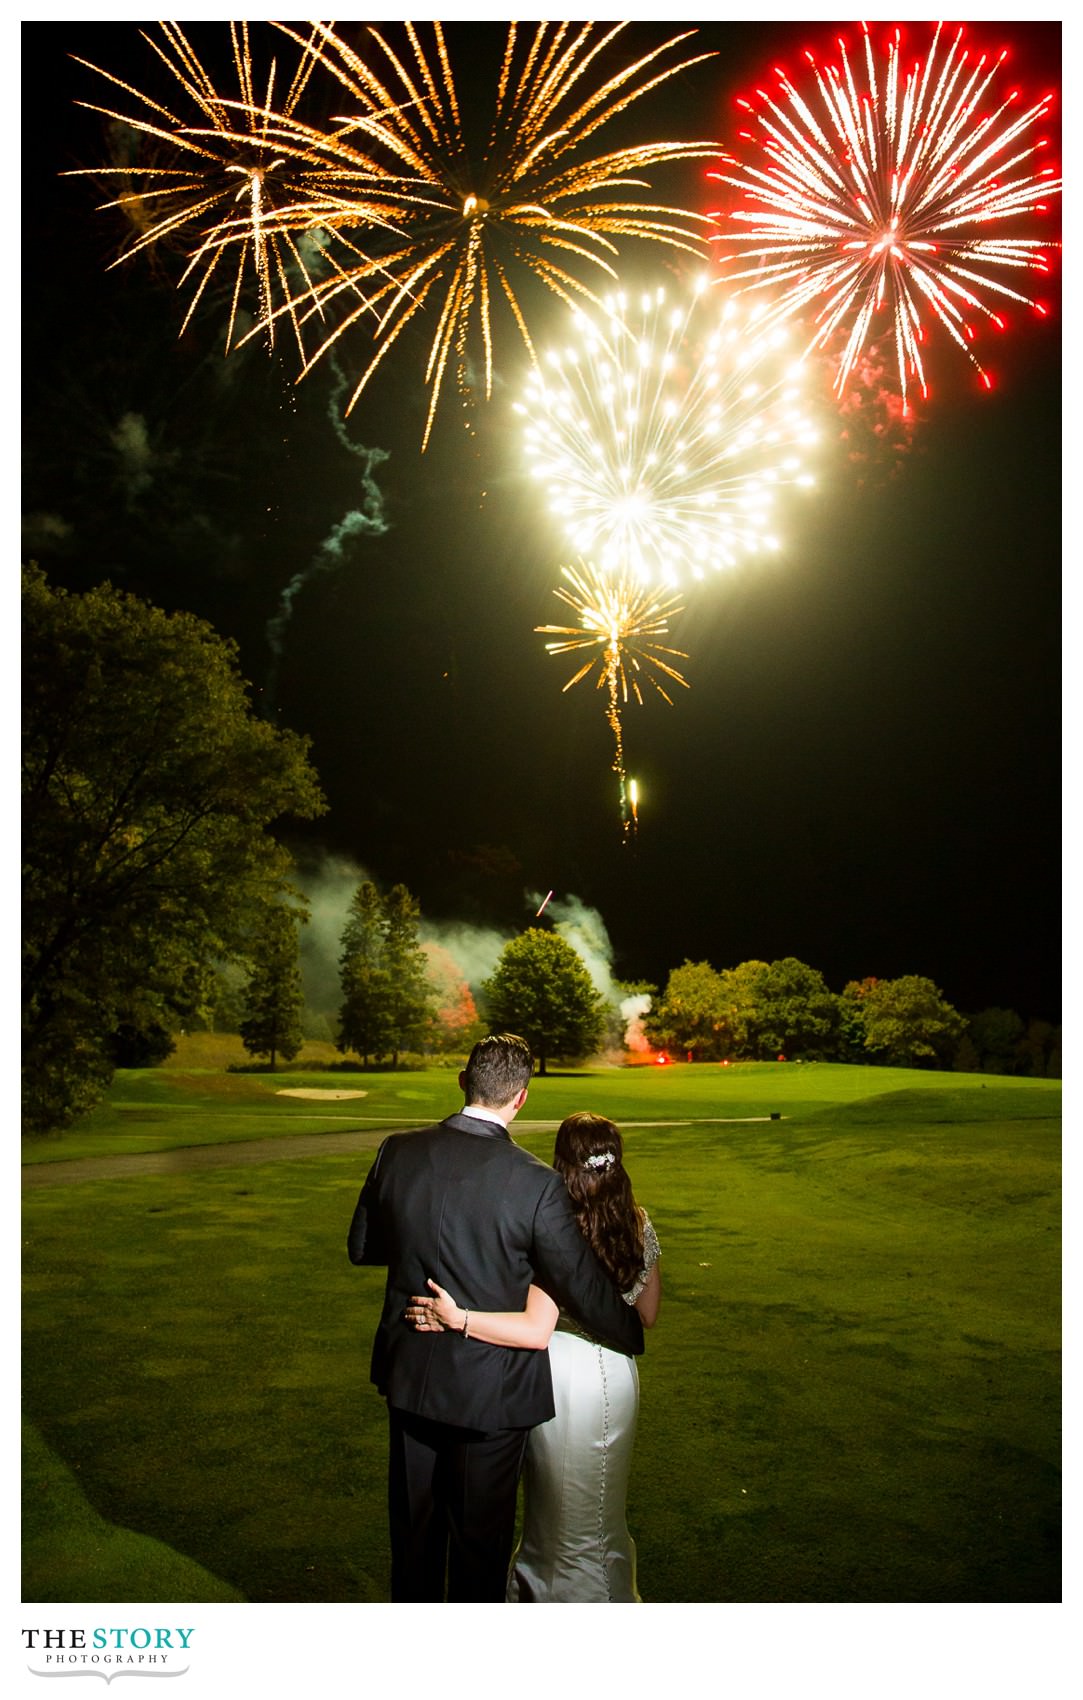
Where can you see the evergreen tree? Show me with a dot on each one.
(273, 997)
(410, 998)
(363, 1017)
(387, 1001)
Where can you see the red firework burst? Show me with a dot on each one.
(897, 203)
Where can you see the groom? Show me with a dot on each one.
(461, 1203)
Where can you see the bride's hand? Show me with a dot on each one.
(421, 1314)
(444, 1308)
(429, 1316)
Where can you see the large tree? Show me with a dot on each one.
(149, 792)
(798, 1015)
(540, 989)
(851, 1036)
(689, 1016)
(906, 1021)
(743, 1010)
(273, 997)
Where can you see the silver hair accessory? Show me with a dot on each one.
(600, 1160)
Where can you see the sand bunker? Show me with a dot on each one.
(316, 1092)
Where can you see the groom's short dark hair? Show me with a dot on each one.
(498, 1067)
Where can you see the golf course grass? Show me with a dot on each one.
(852, 1393)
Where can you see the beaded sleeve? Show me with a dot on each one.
(651, 1252)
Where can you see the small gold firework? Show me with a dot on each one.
(618, 621)
(239, 179)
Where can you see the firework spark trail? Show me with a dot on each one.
(241, 175)
(620, 620)
(366, 521)
(889, 204)
(662, 434)
(538, 201)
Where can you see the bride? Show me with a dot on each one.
(575, 1544)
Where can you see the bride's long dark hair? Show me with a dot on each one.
(601, 1193)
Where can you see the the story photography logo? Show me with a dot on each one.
(107, 1649)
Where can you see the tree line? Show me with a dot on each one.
(393, 1004)
(762, 1010)
(153, 796)
(540, 987)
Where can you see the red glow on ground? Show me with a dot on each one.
(661, 1059)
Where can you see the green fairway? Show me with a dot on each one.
(852, 1393)
(158, 1109)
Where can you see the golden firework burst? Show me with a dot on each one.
(619, 621)
(231, 174)
(459, 230)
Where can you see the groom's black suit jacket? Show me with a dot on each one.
(462, 1203)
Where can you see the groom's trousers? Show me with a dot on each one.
(451, 1497)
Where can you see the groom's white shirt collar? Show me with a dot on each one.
(482, 1113)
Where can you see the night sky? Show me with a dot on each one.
(865, 773)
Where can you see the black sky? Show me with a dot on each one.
(865, 773)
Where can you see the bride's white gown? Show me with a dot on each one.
(576, 1545)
